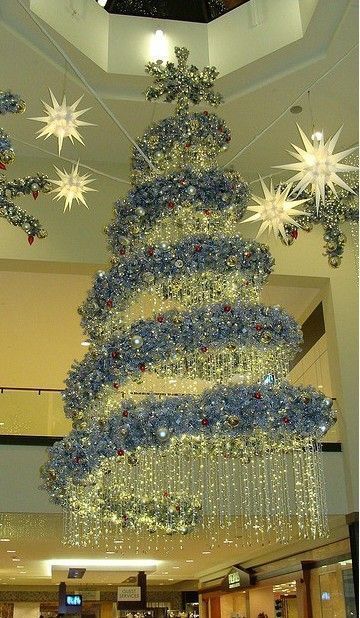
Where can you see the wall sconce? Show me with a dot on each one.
(159, 46)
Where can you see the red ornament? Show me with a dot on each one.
(204, 349)
(294, 233)
(204, 422)
(35, 194)
(258, 395)
(120, 452)
(182, 181)
(122, 251)
(171, 205)
(160, 318)
(247, 255)
(2, 166)
(115, 385)
(227, 308)
(206, 113)
(187, 145)
(142, 367)
(31, 239)
(125, 413)
(114, 354)
(220, 130)
(109, 303)
(197, 248)
(166, 494)
(207, 212)
(77, 459)
(286, 420)
(228, 139)
(259, 327)
(178, 507)
(150, 251)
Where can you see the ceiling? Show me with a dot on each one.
(193, 10)
(42, 285)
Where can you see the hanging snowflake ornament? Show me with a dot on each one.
(274, 210)
(318, 166)
(71, 186)
(62, 121)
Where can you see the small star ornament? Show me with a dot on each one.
(71, 186)
(318, 166)
(274, 210)
(62, 121)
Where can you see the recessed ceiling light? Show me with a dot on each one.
(12, 577)
(4, 540)
(118, 542)
(296, 109)
(110, 552)
(176, 567)
(165, 573)
(189, 561)
(23, 572)
(228, 541)
(16, 560)
(85, 344)
(11, 551)
(170, 579)
(206, 552)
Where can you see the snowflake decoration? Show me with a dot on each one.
(62, 121)
(184, 84)
(72, 186)
(318, 166)
(274, 210)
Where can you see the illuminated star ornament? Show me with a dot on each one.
(274, 210)
(318, 166)
(71, 186)
(62, 121)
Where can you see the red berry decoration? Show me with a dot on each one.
(171, 205)
(125, 413)
(2, 166)
(122, 251)
(204, 349)
(116, 385)
(228, 139)
(204, 422)
(286, 420)
(77, 459)
(294, 233)
(142, 367)
(109, 303)
(160, 318)
(206, 113)
(207, 212)
(166, 494)
(120, 452)
(247, 255)
(150, 251)
(197, 248)
(258, 395)
(259, 327)
(187, 145)
(227, 308)
(35, 194)
(30, 239)
(114, 354)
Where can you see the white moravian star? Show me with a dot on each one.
(318, 166)
(71, 186)
(274, 210)
(62, 121)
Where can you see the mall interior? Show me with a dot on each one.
(216, 478)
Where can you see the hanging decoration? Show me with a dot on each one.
(71, 186)
(62, 120)
(29, 185)
(274, 210)
(179, 308)
(337, 210)
(318, 166)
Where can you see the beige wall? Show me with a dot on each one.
(261, 600)
(26, 610)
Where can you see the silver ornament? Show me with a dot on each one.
(191, 190)
(140, 211)
(179, 263)
(328, 402)
(233, 420)
(163, 434)
(137, 341)
(34, 186)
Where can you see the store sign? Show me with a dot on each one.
(237, 578)
(129, 593)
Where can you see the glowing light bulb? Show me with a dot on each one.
(317, 136)
(159, 46)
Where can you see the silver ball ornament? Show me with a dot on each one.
(163, 434)
(137, 341)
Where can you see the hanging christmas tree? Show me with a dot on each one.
(30, 185)
(229, 444)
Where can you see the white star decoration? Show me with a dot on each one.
(71, 186)
(62, 120)
(274, 210)
(318, 166)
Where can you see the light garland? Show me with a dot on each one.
(30, 185)
(239, 451)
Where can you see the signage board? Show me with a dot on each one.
(129, 593)
(73, 600)
(237, 578)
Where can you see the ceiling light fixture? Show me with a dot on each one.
(4, 540)
(85, 344)
(159, 46)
